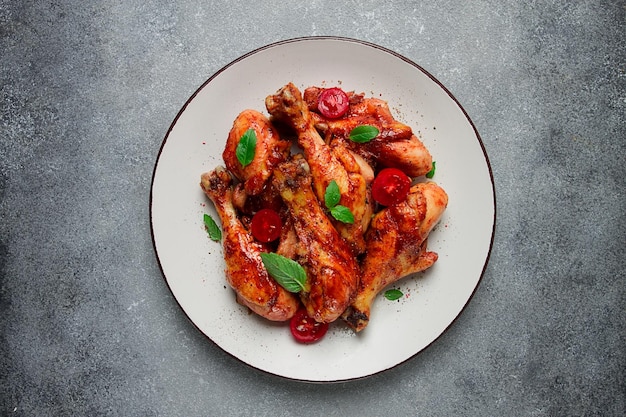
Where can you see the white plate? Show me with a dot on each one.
(193, 265)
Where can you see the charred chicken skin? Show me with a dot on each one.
(396, 246)
(331, 267)
(270, 150)
(244, 268)
(326, 163)
(396, 145)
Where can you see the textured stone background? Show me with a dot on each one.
(87, 324)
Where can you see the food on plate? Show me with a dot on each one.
(269, 150)
(266, 225)
(306, 330)
(244, 268)
(326, 163)
(391, 186)
(396, 246)
(396, 146)
(333, 103)
(319, 207)
(331, 268)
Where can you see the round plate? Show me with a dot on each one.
(193, 265)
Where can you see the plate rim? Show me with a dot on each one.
(307, 39)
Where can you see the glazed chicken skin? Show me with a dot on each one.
(395, 146)
(326, 163)
(270, 150)
(245, 271)
(331, 268)
(347, 264)
(396, 246)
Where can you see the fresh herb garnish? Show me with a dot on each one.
(212, 228)
(393, 294)
(342, 213)
(246, 147)
(431, 173)
(332, 194)
(331, 199)
(287, 272)
(363, 133)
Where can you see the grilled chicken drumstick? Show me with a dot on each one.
(244, 268)
(396, 145)
(326, 163)
(331, 268)
(396, 246)
(270, 150)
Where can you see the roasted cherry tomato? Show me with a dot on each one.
(266, 225)
(333, 103)
(306, 330)
(391, 186)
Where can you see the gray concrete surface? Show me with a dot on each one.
(88, 90)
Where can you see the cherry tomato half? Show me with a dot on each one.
(266, 225)
(333, 103)
(391, 186)
(306, 330)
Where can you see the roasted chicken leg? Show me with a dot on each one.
(396, 145)
(244, 268)
(270, 150)
(326, 163)
(331, 268)
(396, 246)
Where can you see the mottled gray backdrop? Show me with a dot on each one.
(88, 90)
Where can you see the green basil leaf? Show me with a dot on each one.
(431, 173)
(246, 147)
(393, 294)
(287, 272)
(342, 213)
(363, 133)
(332, 195)
(212, 228)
